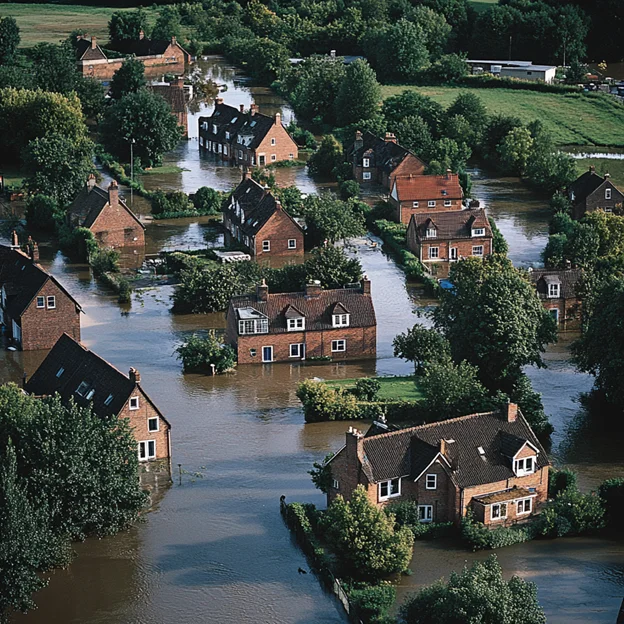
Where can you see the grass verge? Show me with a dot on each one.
(392, 388)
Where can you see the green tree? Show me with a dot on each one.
(449, 68)
(479, 595)
(321, 474)
(167, 24)
(472, 109)
(129, 78)
(410, 103)
(422, 346)
(207, 201)
(127, 25)
(328, 158)
(58, 166)
(199, 354)
(365, 539)
(434, 27)
(42, 213)
(9, 39)
(331, 219)
(55, 67)
(91, 95)
(147, 120)
(359, 94)
(515, 151)
(413, 133)
(446, 155)
(611, 493)
(332, 267)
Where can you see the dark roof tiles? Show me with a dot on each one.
(568, 278)
(455, 224)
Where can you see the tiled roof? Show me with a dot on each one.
(173, 95)
(454, 224)
(317, 309)
(568, 278)
(505, 495)
(385, 155)
(22, 279)
(145, 46)
(425, 187)
(410, 451)
(86, 52)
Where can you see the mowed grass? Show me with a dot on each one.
(573, 118)
(604, 165)
(392, 388)
(51, 23)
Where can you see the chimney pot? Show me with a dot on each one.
(90, 182)
(218, 100)
(173, 40)
(262, 291)
(332, 53)
(141, 35)
(607, 176)
(278, 119)
(93, 43)
(512, 412)
(134, 375)
(14, 240)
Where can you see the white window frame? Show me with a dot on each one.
(366, 175)
(41, 301)
(425, 514)
(247, 327)
(607, 193)
(453, 254)
(266, 245)
(431, 481)
(336, 344)
(292, 243)
(272, 354)
(341, 320)
(335, 484)
(478, 232)
(478, 251)
(214, 129)
(434, 253)
(447, 203)
(297, 352)
(147, 455)
(522, 503)
(51, 302)
(295, 324)
(496, 511)
(554, 291)
(273, 141)
(520, 466)
(392, 488)
(273, 157)
(431, 203)
(415, 204)
(366, 163)
(149, 420)
(133, 403)
(431, 233)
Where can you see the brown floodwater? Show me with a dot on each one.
(214, 548)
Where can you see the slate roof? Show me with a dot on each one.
(316, 309)
(454, 224)
(408, 452)
(145, 46)
(425, 187)
(385, 155)
(85, 51)
(568, 278)
(23, 279)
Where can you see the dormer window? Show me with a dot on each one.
(525, 466)
(340, 320)
(608, 193)
(478, 232)
(431, 233)
(296, 324)
(365, 162)
(554, 291)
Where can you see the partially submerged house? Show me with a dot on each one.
(35, 308)
(558, 292)
(425, 193)
(438, 239)
(378, 160)
(491, 464)
(75, 373)
(174, 94)
(290, 327)
(109, 218)
(246, 138)
(591, 191)
(256, 220)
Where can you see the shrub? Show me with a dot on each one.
(611, 493)
(42, 212)
(480, 537)
(372, 602)
(348, 189)
(201, 354)
(104, 261)
(322, 403)
(207, 201)
(321, 474)
(406, 514)
(572, 513)
(366, 389)
(172, 203)
(560, 480)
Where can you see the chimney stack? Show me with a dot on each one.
(90, 182)
(253, 109)
(262, 291)
(135, 376)
(366, 285)
(241, 108)
(332, 53)
(93, 43)
(313, 289)
(218, 100)
(141, 35)
(278, 119)
(390, 137)
(353, 447)
(33, 249)
(443, 447)
(173, 40)
(607, 176)
(359, 141)
(448, 174)
(113, 194)
(512, 412)
(592, 169)
(14, 240)
(246, 174)
(179, 82)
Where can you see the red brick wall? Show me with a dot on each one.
(283, 148)
(115, 227)
(569, 311)
(41, 328)
(278, 230)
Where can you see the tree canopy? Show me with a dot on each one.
(129, 78)
(9, 39)
(331, 219)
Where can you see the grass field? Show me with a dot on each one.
(392, 388)
(482, 5)
(573, 119)
(604, 165)
(53, 22)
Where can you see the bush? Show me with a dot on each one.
(611, 493)
(572, 513)
(560, 480)
(372, 602)
(480, 537)
(406, 514)
(43, 213)
(207, 201)
(322, 403)
(104, 261)
(172, 203)
(348, 189)
(367, 389)
(201, 354)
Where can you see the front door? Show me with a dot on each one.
(267, 354)
(453, 253)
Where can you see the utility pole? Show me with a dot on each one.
(131, 173)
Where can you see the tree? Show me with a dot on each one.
(200, 354)
(448, 68)
(434, 27)
(168, 24)
(328, 158)
(359, 94)
(446, 155)
(515, 151)
(9, 39)
(42, 213)
(147, 120)
(55, 67)
(129, 78)
(422, 346)
(498, 127)
(611, 493)
(365, 539)
(127, 25)
(413, 133)
(410, 103)
(332, 267)
(58, 166)
(207, 201)
(479, 595)
(321, 474)
(472, 109)
(331, 219)
(91, 95)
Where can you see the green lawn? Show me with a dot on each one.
(573, 119)
(392, 388)
(482, 5)
(53, 22)
(604, 165)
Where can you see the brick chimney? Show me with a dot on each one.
(278, 204)
(353, 449)
(511, 412)
(366, 285)
(135, 376)
(443, 447)
(113, 194)
(313, 289)
(592, 169)
(93, 43)
(90, 182)
(448, 174)
(14, 240)
(246, 174)
(278, 119)
(173, 40)
(262, 291)
(33, 249)
(359, 140)
(390, 137)
(253, 109)
(178, 82)
(141, 35)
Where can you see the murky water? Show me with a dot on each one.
(215, 549)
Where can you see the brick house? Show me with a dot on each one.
(246, 138)
(425, 193)
(113, 224)
(289, 327)
(256, 220)
(158, 56)
(438, 239)
(35, 308)
(490, 463)
(592, 192)
(557, 290)
(380, 161)
(174, 94)
(75, 372)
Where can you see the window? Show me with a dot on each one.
(414, 204)
(83, 388)
(292, 243)
(432, 233)
(453, 253)
(266, 245)
(253, 352)
(338, 345)
(90, 394)
(147, 450)
(152, 424)
(425, 513)
(291, 157)
(447, 203)
(253, 326)
(499, 511)
(272, 141)
(434, 252)
(335, 484)
(340, 320)
(134, 403)
(431, 482)
(273, 157)
(296, 350)
(295, 324)
(553, 290)
(41, 302)
(227, 135)
(608, 193)
(51, 303)
(365, 162)
(109, 400)
(366, 175)
(60, 371)
(524, 506)
(431, 203)
(225, 150)
(478, 231)
(524, 466)
(555, 314)
(389, 489)
(240, 153)
(214, 128)
(477, 250)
